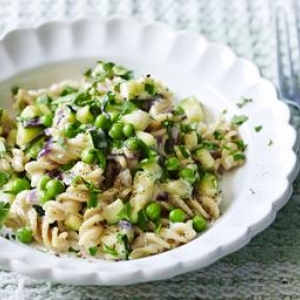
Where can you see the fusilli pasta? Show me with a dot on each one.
(111, 166)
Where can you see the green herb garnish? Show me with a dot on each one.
(93, 250)
(239, 120)
(125, 213)
(218, 135)
(88, 73)
(258, 128)
(110, 250)
(99, 139)
(243, 102)
(209, 145)
(14, 90)
(4, 177)
(241, 145)
(93, 197)
(123, 239)
(4, 210)
(68, 90)
(142, 220)
(238, 156)
(150, 89)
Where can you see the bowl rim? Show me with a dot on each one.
(170, 263)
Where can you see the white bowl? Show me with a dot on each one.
(188, 64)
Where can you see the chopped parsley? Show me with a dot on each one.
(238, 156)
(92, 200)
(123, 239)
(83, 99)
(4, 177)
(99, 139)
(241, 145)
(123, 72)
(150, 89)
(239, 120)
(184, 151)
(142, 220)
(270, 142)
(243, 102)
(4, 210)
(258, 128)
(93, 191)
(125, 213)
(218, 135)
(88, 73)
(68, 90)
(110, 250)
(14, 90)
(209, 145)
(93, 251)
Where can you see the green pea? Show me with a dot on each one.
(88, 156)
(43, 197)
(102, 122)
(199, 223)
(116, 131)
(24, 234)
(153, 211)
(152, 153)
(133, 144)
(177, 215)
(47, 120)
(70, 130)
(19, 185)
(54, 187)
(43, 181)
(114, 115)
(172, 164)
(128, 130)
(188, 174)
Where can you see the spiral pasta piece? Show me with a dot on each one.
(178, 233)
(91, 229)
(18, 160)
(71, 150)
(36, 169)
(148, 244)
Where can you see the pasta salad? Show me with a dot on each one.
(111, 166)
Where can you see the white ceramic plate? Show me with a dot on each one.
(188, 64)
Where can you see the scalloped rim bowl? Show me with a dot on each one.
(188, 64)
